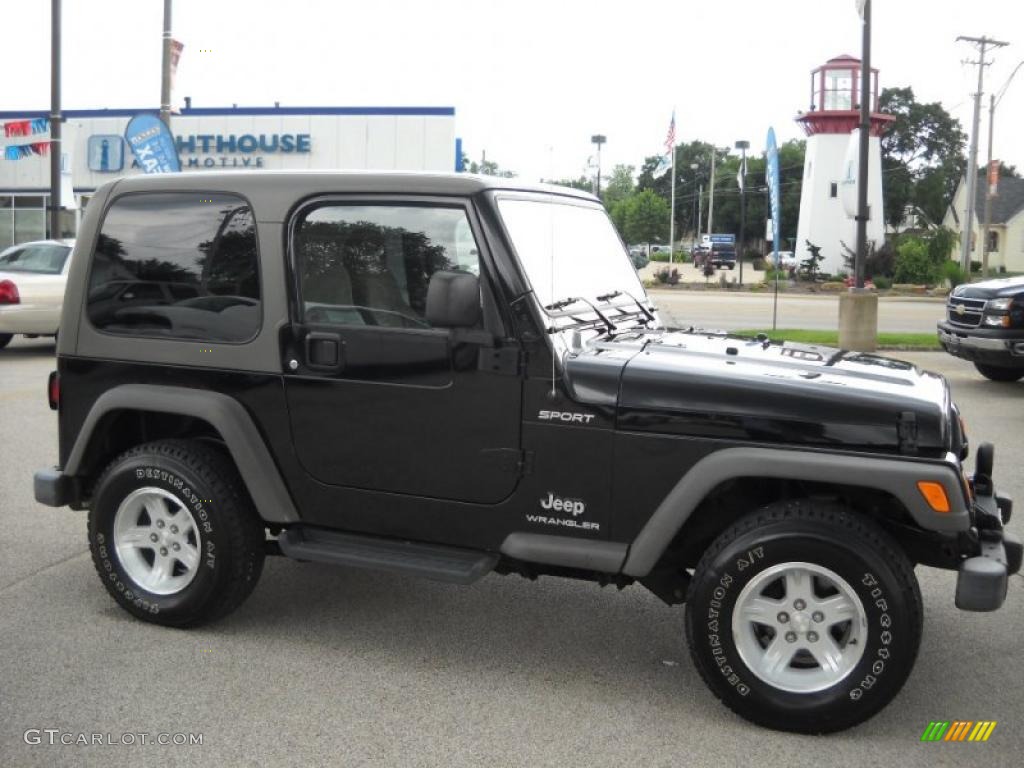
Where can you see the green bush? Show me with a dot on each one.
(952, 272)
(941, 243)
(913, 264)
(759, 263)
(882, 283)
(659, 256)
(975, 266)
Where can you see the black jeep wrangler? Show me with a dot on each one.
(450, 376)
(985, 324)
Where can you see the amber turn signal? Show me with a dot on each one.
(934, 494)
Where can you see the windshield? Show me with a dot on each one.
(569, 249)
(42, 258)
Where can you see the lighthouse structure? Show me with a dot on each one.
(829, 192)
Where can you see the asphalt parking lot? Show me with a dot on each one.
(333, 666)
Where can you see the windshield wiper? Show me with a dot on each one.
(569, 300)
(613, 294)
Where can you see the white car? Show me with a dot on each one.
(32, 280)
(786, 258)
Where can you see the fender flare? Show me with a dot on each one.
(225, 414)
(896, 476)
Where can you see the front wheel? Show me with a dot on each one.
(999, 373)
(173, 534)
(804, 617)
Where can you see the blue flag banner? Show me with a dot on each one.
(152, 144)
(774, 184)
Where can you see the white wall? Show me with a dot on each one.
(823, 219)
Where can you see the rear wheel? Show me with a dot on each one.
(5, 339)
(804, 617)
(998, 372)
(173, 534)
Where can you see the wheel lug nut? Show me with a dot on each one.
(791, 637)
(153, 537)
(174, 529)
(799, 605)
(783, 617)
(175, 546)
(818, 616)
(163, 551)
(812, 637)
(159, 523)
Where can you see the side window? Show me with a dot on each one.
(371, 264)
(179, 265)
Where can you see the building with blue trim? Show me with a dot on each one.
(239, 138)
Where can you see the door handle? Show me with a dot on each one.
(324, 351)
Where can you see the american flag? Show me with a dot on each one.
(670, 140)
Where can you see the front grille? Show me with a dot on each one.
(965, 313)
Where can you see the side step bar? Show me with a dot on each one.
(432, 561)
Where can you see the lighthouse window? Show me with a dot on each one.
(833, 190)
(838, 89)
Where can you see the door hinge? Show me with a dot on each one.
(505, 361)
(906, 431)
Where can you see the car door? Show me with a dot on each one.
(378, 399)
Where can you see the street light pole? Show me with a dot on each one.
(165, 69)
(598, 139)
(864, 149)
(695, 219)
(742, 146)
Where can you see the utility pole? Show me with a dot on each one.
(700, 205)
(983, 44)
(742, 146)
(598, 139)
(165, 70)
(994, 100)
(694, 218)
(711, 193)
(864, 149)
(55, 120)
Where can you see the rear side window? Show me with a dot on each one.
(177, 264)
(41, 258)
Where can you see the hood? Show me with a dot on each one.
(713, 385)
(991, 289)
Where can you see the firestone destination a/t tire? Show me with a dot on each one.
(804, 617)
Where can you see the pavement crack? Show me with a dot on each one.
(45, 568)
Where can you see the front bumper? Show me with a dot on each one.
(984, 345)
(982, 580)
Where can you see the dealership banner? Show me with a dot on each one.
(772, 177)
(152, 144)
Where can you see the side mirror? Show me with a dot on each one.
(453, 300)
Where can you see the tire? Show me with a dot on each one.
(188, 495)
(753, 560)
(5, 339)
(998, 372)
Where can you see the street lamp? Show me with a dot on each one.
(598, 139)
(697, 200)
(742, 146)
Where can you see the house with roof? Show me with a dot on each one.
(1006, 229)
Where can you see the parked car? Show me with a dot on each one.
(984, 323)
(32, 280)
(787, 260)
(722, 255)
(535, 419)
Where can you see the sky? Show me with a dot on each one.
(530, 81)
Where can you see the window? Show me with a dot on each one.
(371, 264)
(833, 189)
(993, 242)
(41, 258)
(838, 89)
(181, 265)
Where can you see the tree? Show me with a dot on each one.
(582, 183)
(620, 185)
(486, 168)
(922, 156)
(645, 218)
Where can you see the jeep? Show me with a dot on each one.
(985, 324)
(450, 376)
